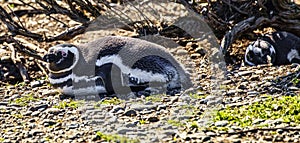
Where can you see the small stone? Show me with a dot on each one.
(203, 101)
(4, 103)
(38, 107)
(35, 113)
(206, 138)
(195, 55)
(38, 83)
(166, 99)
(49, 92)
(131, 125)
(259, 72)
(221, 123)
(117, 109)
(123, 130)
(280, 131)
(236, 141)
(35, 132)
(181, 52)
(257, 121)
(146, 106)
(268, 138)
(48, 122)
(278, 121)
(153, 119)
(130, 113)
(73, 126)
(293, 88)
(161, 107)
(54, 111)
(13, 97)
(27, 113)
(252, 93)
(201, 51)
(236, 99)
(231, 92)
(244, 73)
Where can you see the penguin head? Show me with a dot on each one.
(62, 58)
(260, 52)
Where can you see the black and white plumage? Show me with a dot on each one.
(115, 64)
(279, 48)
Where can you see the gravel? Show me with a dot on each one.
(169, 119)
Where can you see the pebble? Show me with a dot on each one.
(195, 55)
(130, 113)
(244, 73)
(38, 107)
(48, 122)
(38, 83)
(221, 123)
(153, 119)
(53, 111)
(181, 52)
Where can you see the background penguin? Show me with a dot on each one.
(115, 64)
(279, 48)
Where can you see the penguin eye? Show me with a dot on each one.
(51, 51)
(64, 54)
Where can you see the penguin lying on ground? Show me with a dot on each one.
(280, 48)
(115, 65)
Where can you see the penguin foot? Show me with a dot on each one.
(173, 91)
(147, 92)
(144, 93)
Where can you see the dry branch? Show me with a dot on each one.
(232, 18)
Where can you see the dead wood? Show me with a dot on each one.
(232, 18)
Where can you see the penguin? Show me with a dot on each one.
(115, 65)
(278, 48)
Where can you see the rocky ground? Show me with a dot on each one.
(253, 104)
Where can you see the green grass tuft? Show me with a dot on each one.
(154, 98)
(71, 104)
(286, 108)
(23, 101)
(196, 96)
(115, 138)
(175, 123)
(142, 121)
(113, 101)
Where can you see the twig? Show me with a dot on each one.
(234, 7)
(17, 17)
(40, 65)
(16, 60)
(69, 33)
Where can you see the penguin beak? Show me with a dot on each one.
(49, 58)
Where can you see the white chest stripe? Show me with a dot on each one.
(83, 91)
(142, 75)
(60, 80)
(293, 54)
(74, 79)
